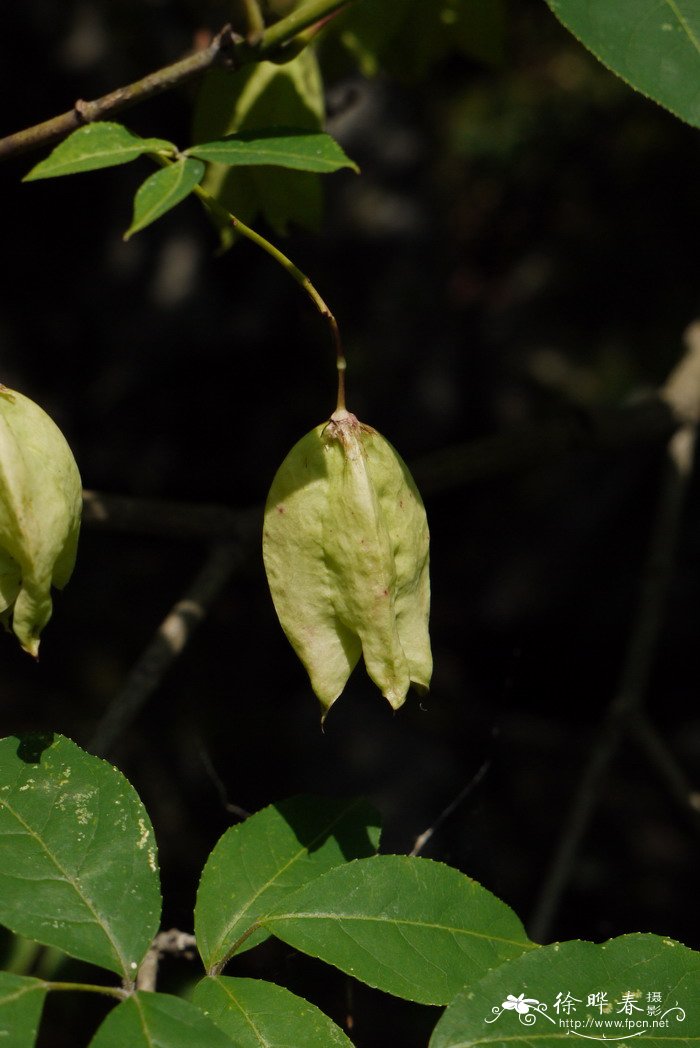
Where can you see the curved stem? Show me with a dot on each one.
(295, 273)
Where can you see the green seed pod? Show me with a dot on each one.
(345, 545)
(40, 504)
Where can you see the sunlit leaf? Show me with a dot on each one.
(163, 190)
(281, 147)
(258, 97)
(408, 926)
(258, 863)
(78, 865)
(258, 1014)
(284, 148)
(102, 144)
(638, 989)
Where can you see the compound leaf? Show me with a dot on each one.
(411, 927)
(78, 863)
(258, 1014)
(258, 863)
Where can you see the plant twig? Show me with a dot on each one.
(306, 285)
(285, 31)
(221, 49)
(224, 216)
(182, 520)
(462, 464)
(173, 943)
(682, 393)
(226, 48)
(679, 786)
(213, 775)
(646, 422)
(255, 20)
(423, 838)
(169, 641)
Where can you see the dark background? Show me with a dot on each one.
(520, 247)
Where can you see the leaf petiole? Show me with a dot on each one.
(69, 987)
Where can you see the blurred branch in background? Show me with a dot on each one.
(236, 532)
(674, 778)
(169, 641)
(681, 393)
(646, 423)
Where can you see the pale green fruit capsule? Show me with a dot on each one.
(345, 545)
(40, 505)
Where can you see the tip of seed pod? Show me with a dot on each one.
(343, 415)
(32, 648)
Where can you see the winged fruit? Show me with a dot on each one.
(345, 546)
(40, 505)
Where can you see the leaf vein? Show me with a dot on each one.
(69, 879)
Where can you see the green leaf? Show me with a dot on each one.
(94, 146)
(21, 1002)
(255, 98)
(258, 1014)
(157, 1020)
(77, 855)
(163, 190)
(654, 45)
(280, 147)
(411, 927)
(256, 865)
(410, 37)
(615, 991)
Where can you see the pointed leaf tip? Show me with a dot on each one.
(298, 149)
(164, 190)
(94, 146)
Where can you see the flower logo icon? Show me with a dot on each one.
(520, 1004)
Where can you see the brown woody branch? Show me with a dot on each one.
(172, 943)
(226, 48)
(161, 518)
(220, 50)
